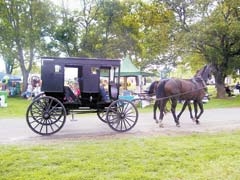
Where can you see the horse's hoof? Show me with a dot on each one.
(161, 125)
(178, 125)
(197, 122)
(156, 120)
(194, 119)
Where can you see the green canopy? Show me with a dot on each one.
(128, 69)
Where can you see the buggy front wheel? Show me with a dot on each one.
(122, 115)
(46, 115)
(101, 113)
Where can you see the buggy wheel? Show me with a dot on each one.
(101, 113)
(46, 115)
(39, 95)
(122, 115)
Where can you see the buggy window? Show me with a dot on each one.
(94, 70)
(114, 75)
(57, 68)
(71, 79)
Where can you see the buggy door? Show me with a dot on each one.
(89, 82)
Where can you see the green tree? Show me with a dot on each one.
(75, 34)
(157, 25)
(217, 37)
(119, 29)
(209, 28)
(114, 29)
(23, 23)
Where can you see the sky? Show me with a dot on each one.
(71, 4)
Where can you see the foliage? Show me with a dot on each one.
(22, 25)
(219, 41)
(197, 156)
(114, 29)
(209, 29)
(157, 28)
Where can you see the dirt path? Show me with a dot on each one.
(90, 127)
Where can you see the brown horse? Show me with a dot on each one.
(152, 92)
(183, 89)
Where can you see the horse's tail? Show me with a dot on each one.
(160, 93)
(151, 90)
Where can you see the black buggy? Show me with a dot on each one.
(47, 113)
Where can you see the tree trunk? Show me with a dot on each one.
(221, 92)
(25, 75)
(25, 72)
(220, 84)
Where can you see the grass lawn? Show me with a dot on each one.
(17, 107)
(197, 157)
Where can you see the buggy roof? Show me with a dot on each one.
(76, 61)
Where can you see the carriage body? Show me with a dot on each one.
(59, 75)
(87, 77)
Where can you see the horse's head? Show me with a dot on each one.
(205, 73)
(201, 81)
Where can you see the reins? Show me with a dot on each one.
(168, 97)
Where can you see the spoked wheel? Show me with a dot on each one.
(39, 95)
(101, 113)
(122, 115)
(46, 115)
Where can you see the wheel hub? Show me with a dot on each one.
(122, 116)
(46, 115)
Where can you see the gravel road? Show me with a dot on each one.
(84, 127)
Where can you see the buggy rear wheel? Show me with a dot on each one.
(122, 115)
(46, 115)
(39, 95)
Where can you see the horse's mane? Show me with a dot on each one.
(200, 72)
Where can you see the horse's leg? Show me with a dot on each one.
(162, 105)
(195, 104)
(155, 106)
(183, 108)
(190, 110)
(200, 104)
(173, 110)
